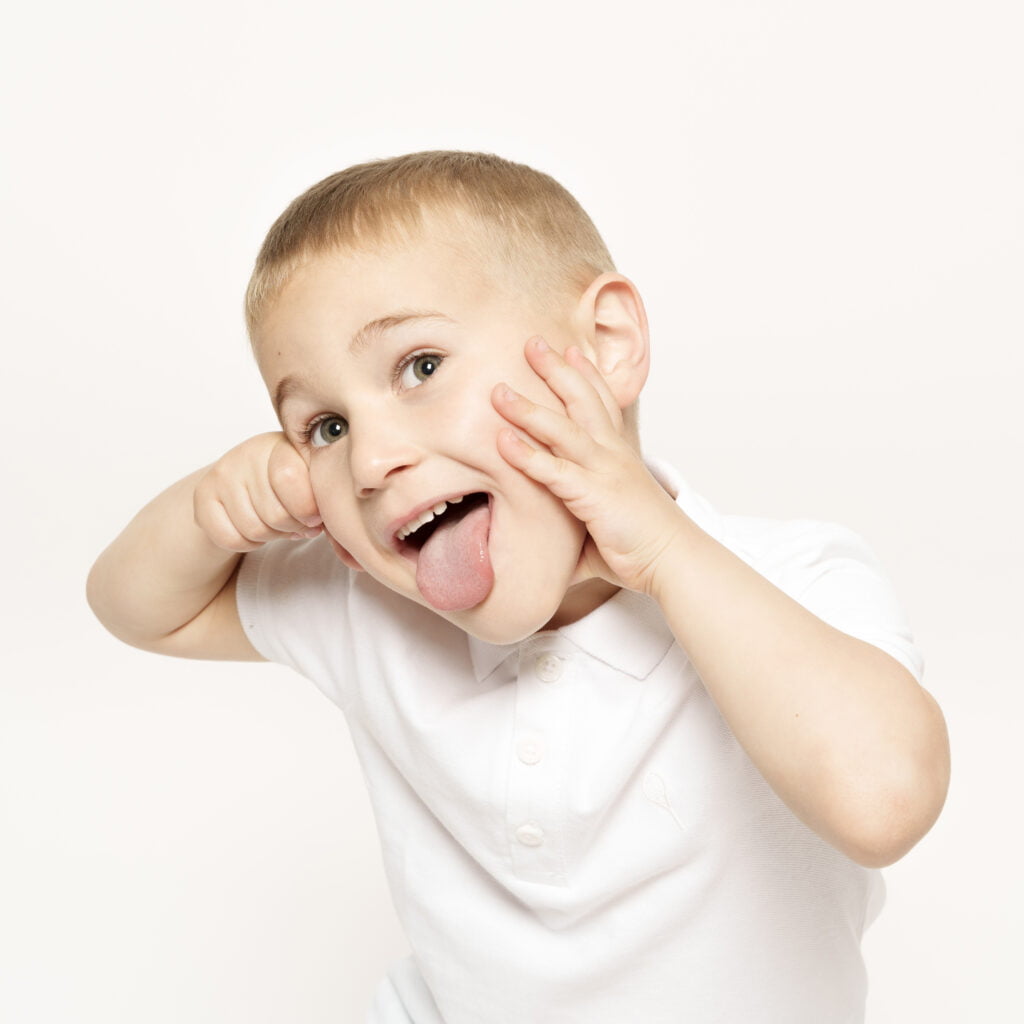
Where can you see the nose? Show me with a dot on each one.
(378, 451)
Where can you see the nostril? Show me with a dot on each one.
(373, 465)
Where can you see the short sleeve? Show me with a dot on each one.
(293, 600)
(833, 573)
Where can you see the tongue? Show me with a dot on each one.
(454, 570)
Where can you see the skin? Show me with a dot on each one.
(411, 440)
(840, 730)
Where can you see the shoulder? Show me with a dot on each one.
(294, 602)
(301, 607)
(832, 571)
(828, 568)
(288, 573)
(787, 551)
(796, 552)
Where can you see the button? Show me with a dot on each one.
(530, 834)
(529, 750)
(548, 668)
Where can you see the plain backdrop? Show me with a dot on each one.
(822, 205)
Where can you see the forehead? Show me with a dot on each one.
(342, 312)
(340, 290)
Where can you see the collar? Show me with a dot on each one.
(627, 633)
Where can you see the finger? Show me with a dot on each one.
(288, 476)
(563, 477)
(215, 521)
(273, 514)
(241, 508)
(576, 358)
(553, 429)
(582, 400)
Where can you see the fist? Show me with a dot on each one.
(256, 493)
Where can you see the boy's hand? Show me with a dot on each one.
(257, 492)
(584, 459)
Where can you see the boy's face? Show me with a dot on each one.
(383, 364)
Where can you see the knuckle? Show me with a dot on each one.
(228, 539)
(252, 528)
(282, 522)
(291, 485)
(285, 474)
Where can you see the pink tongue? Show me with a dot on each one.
(454, 567)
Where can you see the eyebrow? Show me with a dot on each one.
(371, 332)
(361, 340)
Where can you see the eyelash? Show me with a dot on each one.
(411, 358)
(306, 432)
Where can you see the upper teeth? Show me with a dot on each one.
(424, 517)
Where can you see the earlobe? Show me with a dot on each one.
(615, 324)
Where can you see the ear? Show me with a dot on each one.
(613, 321)
(342, 554)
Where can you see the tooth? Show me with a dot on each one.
(425, 517)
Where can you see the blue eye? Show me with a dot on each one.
(327, 431)
(419, 369)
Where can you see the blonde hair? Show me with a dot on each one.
(522, 218)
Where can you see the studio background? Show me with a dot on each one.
(822, 206)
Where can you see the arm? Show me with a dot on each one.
(841, 731)
(167, 582)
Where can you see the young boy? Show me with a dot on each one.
(631, 760)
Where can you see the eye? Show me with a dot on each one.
(327, 430)
(418, 369)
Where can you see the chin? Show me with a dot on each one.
(505, 625)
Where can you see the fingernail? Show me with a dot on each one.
(540, 345)
(508, 394)
(311, 521)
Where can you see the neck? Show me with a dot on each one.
(581, 600)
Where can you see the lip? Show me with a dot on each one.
(391, 531)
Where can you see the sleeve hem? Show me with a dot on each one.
(247, 599)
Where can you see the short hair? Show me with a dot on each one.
(530, 223)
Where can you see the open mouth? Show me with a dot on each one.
(449, 545)
(418, 531)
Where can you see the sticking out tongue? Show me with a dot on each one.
(454, 567)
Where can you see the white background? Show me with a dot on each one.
(822, 204)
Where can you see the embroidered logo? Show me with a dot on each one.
(655, 791)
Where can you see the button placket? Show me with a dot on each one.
(530, 834)
(530, 749)
(536, 813)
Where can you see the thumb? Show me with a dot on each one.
(592, 564)
(289, 478)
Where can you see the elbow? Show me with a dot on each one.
(892, 829)
(95, 590)
(106, 599)
(889, 817)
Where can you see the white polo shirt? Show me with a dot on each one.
(570, 830)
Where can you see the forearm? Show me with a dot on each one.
(160, 572)
(840, 730)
